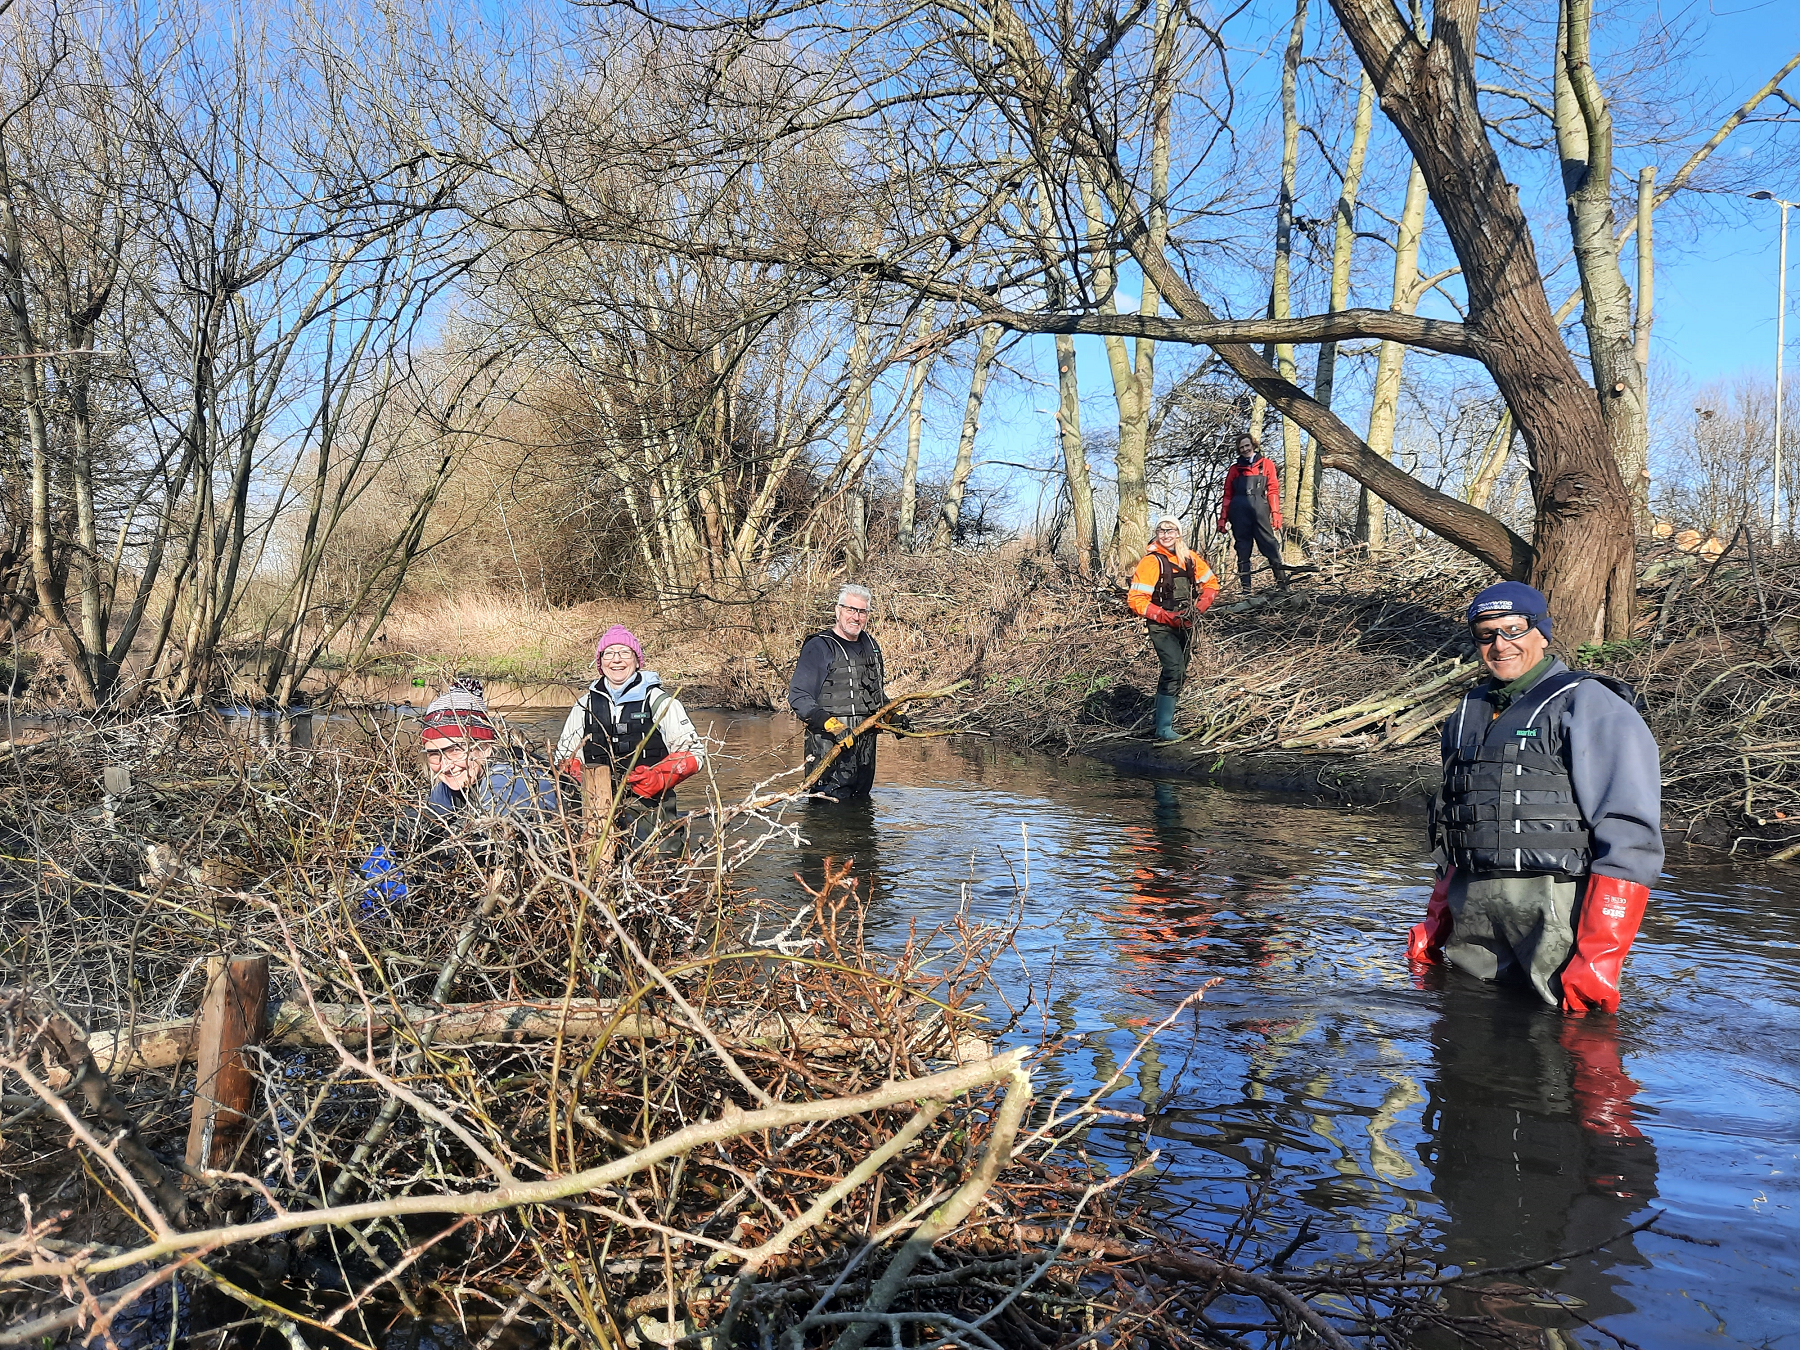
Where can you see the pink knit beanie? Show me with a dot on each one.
(618, 636)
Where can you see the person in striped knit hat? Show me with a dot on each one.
(458, 736)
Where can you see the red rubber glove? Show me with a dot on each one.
(652, 780)
(1207, 596)
(1425, 941)
(1611, 911)
(1157, 614)
(572, 766)
(1599, 1087)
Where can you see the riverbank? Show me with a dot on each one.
(1333, 689)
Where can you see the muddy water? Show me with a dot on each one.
(1462, 1120)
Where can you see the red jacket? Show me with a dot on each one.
(1266, 466)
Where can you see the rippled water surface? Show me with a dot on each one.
(1465, 1120)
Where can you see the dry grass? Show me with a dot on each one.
(491, 634)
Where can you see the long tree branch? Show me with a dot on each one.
(730, 1125)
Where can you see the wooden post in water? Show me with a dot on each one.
(234, 1014)
(596, 805)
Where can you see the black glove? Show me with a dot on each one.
(901, 724)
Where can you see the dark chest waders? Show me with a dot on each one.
(854, 687)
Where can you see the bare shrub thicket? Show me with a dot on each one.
(539, 1096)
(1715, 459)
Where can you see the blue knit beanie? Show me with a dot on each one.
(1511, 597)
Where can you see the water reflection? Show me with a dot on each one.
(840, 833)
(1534, 1145)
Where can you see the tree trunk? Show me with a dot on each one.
(1343, 244)
(1497, 450)
(1584, 144)
(1583, 544)
(1074, 453)
(950, 516)
(915, 431)
(856, 456)
(1384, 407)
(1293, 464)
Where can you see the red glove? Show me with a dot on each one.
(652, 780)
(1207, 596)
(572, 766)
(1425, 941)
(1157, 614)
(1611, 911)
(1599, 1087)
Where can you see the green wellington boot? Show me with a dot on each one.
(1165, 717)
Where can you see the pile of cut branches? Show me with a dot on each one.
(542, 1097)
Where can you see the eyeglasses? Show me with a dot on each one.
(851, 609)
(461, 753)
(1513, 635)
(1167, 529)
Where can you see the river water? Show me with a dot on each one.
(1465, 1121)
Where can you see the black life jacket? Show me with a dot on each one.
(631, 739)
(1508, 803)
(1176, 587)
(855, 682)
(1250, 489)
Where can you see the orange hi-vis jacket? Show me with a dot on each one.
(1265, 466)
(1158, 569)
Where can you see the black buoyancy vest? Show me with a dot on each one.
(1176, 587)
(1250, 486)
(1508, 803)
(855, 682)
(632, 739)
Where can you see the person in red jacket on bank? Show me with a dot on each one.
(1549, 824)
(1172, 584)
(1251, 510)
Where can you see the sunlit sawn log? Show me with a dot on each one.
(163, 1045)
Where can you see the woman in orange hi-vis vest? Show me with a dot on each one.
(1170, 586)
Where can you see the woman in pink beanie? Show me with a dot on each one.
(627, 721)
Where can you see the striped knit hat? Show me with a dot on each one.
(456, 715)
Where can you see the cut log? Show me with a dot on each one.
(164, 1045)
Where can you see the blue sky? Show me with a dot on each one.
(1715, 298)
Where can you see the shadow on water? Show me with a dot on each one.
(1465, 1121)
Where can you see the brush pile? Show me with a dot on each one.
(534, 1098)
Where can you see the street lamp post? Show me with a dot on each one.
(1780, 345)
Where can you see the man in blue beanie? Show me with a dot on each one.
(1548, 830)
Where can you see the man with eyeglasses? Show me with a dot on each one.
(838, 682)
(1548, 829)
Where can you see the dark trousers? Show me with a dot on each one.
(851, 774)
(1172, 650)
(1251, 529)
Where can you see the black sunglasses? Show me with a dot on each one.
(1510, 634)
